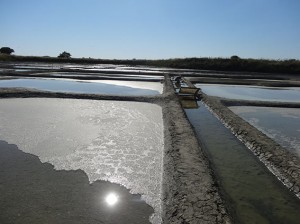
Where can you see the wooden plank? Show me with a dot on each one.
(188, 90)
(189, 84)
(189, 104)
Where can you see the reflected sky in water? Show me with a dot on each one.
(280, 124)
(116, 141)
(112, 199)
(251, 92)
(34, 192)
(108, 87)
(254, 194)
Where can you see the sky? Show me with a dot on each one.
(152, 29)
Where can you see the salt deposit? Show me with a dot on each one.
(121, 142)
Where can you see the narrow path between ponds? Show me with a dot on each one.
(253, 194)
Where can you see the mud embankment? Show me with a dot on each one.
(27, 93)
(231, 102)
(190, 193)
(252, 81)
(281, 162)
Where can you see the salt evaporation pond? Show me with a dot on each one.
(80, 86)
(34, 192)
(253, 193)
(115, 75)
(280, 124)
(251, 92)
(119, 142)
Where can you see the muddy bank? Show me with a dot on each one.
(6, 78)
(231, 102)
(83, 76)
(190, 194)
(282, 163)
(252, 81)
(27, 93)
(87, 71)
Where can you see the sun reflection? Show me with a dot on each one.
(111, 199)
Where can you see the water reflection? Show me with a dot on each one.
(254, 194)
(251, 92)
(105, 139)
(188, 102)
(84, 87)
(111, 199)
(280, 124)
(34, 192)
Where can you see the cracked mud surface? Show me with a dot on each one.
(190, 193)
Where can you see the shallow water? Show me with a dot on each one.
(91, 67)
(280, 124)
(110, 75)
(65, 85)
(251, 92)
(37, 66)
(119, 142)
(34, 192)
(252, 192)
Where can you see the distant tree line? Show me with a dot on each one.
(234, 63)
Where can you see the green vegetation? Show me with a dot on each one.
(234, 63)
(5, 57)
(65, 55)
(6, 50)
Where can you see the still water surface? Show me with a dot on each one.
(115, 141)
(253, 193)
(280, 124)
(251, 92)
(35, 192)
(65, 85)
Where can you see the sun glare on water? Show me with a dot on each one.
(111, 199)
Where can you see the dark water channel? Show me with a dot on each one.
(253, 194)
(34, 192)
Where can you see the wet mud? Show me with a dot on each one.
(231, 102)
(190, 192)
